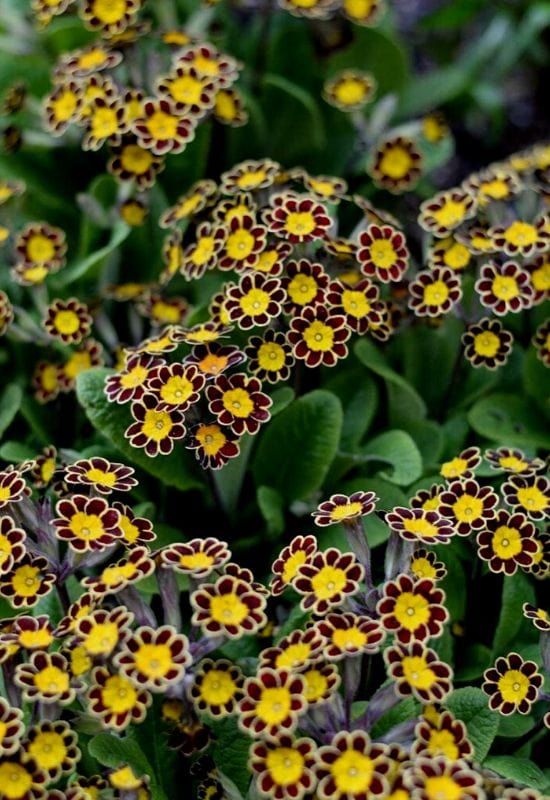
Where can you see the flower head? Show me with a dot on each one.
(115, 700)
(53, 748)
(285, 568)
(507, 542)
(270, 356)
(101, 631)
(213, 444)
(68, 321)
(442, 736)
(255, 301)
(412, 609)
(11, 728)
(530, 495)
(46, 677)
(462, 465)
(154, 659)
(161, 128)
(383, 253)
(272, 702)
(446, 211)
(417, 670)
(198, 557)
(467, 505)
(104, 476)
(216, 688)
(297, 218)
(350, 90)
(504, 288)
(487, 344)
(347, 635)
(521, 237)
(396, 164)
(283, 768)
(418, 525)
(28, 582)
(327, 579)
(343, 508)
(115, 577)
(131, 383)
(154, 429)
(228, 607)
(434, 292)
(319, 336)
(440, 777)
(86, 523)
(12, 544)
(351, 767)
(238, 402)
(512, 684)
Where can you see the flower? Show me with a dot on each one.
(68, 320)
(424, 564)
(115, 700)
(108, 17)
(541, 340)
(209, 62)
(33, 633)
(487, 344)
(467, 505)
(21, 779)
(46, 381)
(154, 429)
(442, 736)
(418, 525)
(12, 543)
(493, 185)
(249, 176)
(272, 702)
(115, 577)
(53, 748)
(416, 670)
(105, 121)
(255, 301)
(162, 310)
(270, 356)
(326, 579)
(228, 607)
(215, 358)
(154, 658)
(352, 767)
(12, 487)
(396, 164)
(285, 568)
(343, 508)
(131, 383)
(161, 129)
(446, 211)
(101, 631)
(383, 253)
(539, 617)
(347, 635)
(439, 777)
(539, 276)
(531, 495)
(176, 386)
(86, 523)
(202, 254)
(189, 204)
(363, 12)
(512, 684)
(318, 336)
(305, 284)
(229, 108)
(358, 304)
(507, 542)
(297, 218)
(46, 677)
(11, 728)
(130, 162)
(41, 245)
(504, 288)
(412, 609)
(434, 292)
(521, 237)
(135, 530)
(272, 258)
(244, 242)
(213, 445)
(513, 461)
(449, 252)
(462, 465)
(238, 402)
(427, 499)
(325, 187)
(88, 355)
(28, 582)
(283, 768)
(191, 94)
(197, 558)
(78, 610)
(103, 475)
(350, 90)
(216, 688)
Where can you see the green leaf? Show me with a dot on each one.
(474, 660)
(230, 752)
(14, 452)
(359, 396)
(80, 268)
(304, 102)
(229, 480)
(399, 450)
(10, 403)
(510, 420)
(536, 379)
(470, 705)
(282, 397)
(515, 725)
(428, 352)
(516, 590)
(517, 769)
(402, 712)
(271, 505)
(111, 420)
(296, 450)
(112, 751)
(428, 437)
(375, 51)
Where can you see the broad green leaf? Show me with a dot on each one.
(536, 379)
(515, 725)
(516, 590)
(474, 660)
(455, 429)
(398, 450)
(470, 705)
(297, 447)
(271, 505)
(475, 383)
(112, 751)
(112, 420)
(230, 752)
(522, 770)
(229, 480)
(358, 394)
(282, 397)
(428, 437)
(427, 353)
(294, 97)
(77, 270)
(510, 420)
(10, 403)
(14, 452)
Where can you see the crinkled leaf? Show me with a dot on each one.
(518, 769)
(112, 751)
(399, 451)
(510, 420)
(470, 705)
(230, 752)
(271, 505)
(14, 452)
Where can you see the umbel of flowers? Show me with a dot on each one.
(103, 657)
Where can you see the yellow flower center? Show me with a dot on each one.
(532, 498)
(285, 766)
(92, 59)
(109, 11)
(382, 253)
(324, 188)
(176, 390)
(14, 780)
(102, 639)
(208, 66)
(188, 205)
(505, 287)
(411, 610)
(228, 609)
(157, 425)
(252, 179)
(239, 244)
(5, 493)
(436, 293)
(238, 402)
(467, 508)
(186, 89)
(442, 787)
(117, 572)
(431, 504)
(211, 438)
(506, 542)
(104, 123)
(135, 159)
(521, 234)
(358, 9)
(352, 773)
(48, 750)
(217, 687)
(271, 356)
(316, 685)
(254, 302)
(452, 469)
(513, 686)
(64, 106)
(417, 672)
(300, 223)
(66, 322)
(135, 377)
(293, 656)
(457, 256)
(345, 511)
(213, 364)
(486, 344)
(118, 694)
(422, 568)
(203, 251)
(355, 304)
(451, 213)
(513, 463)
(319, 337)
(129, 530)
(274, 705)
(350, 91)
(86, 526)
(302, 289)
(51, 680)
(396, 162)
(165, 312)
(101, 476)
(442, 743)
(26, 581)
(225, 106)
(41, 638)
(77, 363)
(40, 249)
(154, 660)
(198, 560)
(420, 527)
(328, 582)
(349, 639)
(497, 189)
(292, 565)
(540, 277)
(162, 126)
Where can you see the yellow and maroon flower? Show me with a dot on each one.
(358, 304)
(161, 129)
(513, 461)
(249, 176)
(45, 465)
(62, 106)
(349, 90)
(68, 320)
(283, 768)
(115, 700)
(89, 354)
(236, 206)
(133, 212)
(47, 678)
(326, 579)
(538, 616)
(154, 429)
(105, 476)
(209, 62)
(424, 564)
(13, 487)
(255, 301)
(214, 359)
(434, 292)
(108, 17)
(531, 495)
(319, 336)
(493, 185)
(244, 242)
(197, 558)
(352, 767)
(418, 525)
(305, 284)
(396, 164)
(191, 94)
(201, 333)
(33, 633)
(522, 238)
(202, 254)
(28, 582)
(412, 609)
(383, 253)
(272, 702)
(238, 402)
(154, 658)
(130, 162)
(363, 12)
(512, 684)
(131, 383)
(41, 245)
(541, 341)
(229, 607)
(507, 542)
(11, 728)
(504, 287)
(21, 779)
(539, 276)
(467, 505)
(101, 631)
(325, 187)
(163, 310)
(86, 523)
(12, 543)
(487, 344)
(270, 356)
(177, 386)
(446, 211)
(88, 60)
(229, 108)
(189, 204)
(217, 688)
(78, 610)
(285, 568)
(462, 465)
(213, 444)
(271, 259)
(347, 635)
(442, 736)
(343, 508)
(449, 252)
(416, 670)
(115, 577)
(105, 121)
(297, 218)
(441, 777)
(135, 530)
(53, 748)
